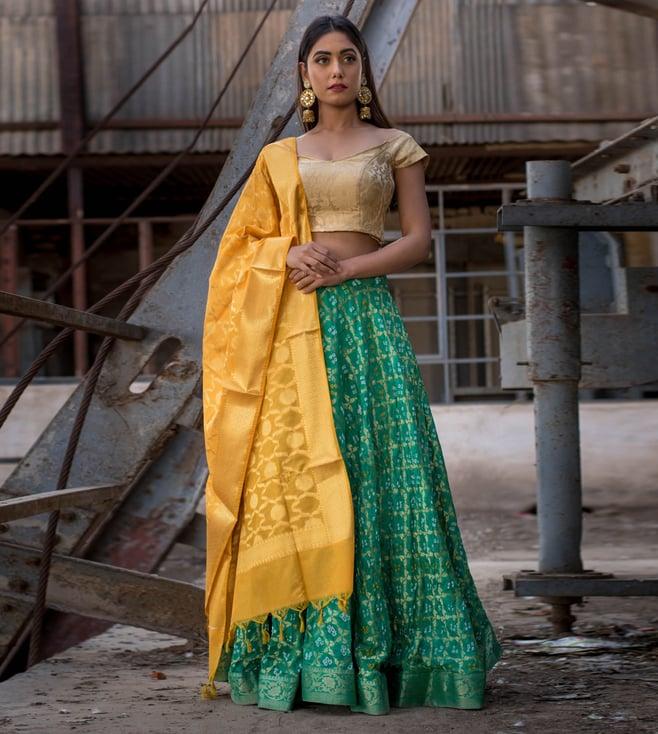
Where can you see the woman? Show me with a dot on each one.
(335, 567)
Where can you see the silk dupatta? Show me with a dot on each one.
(279, 515)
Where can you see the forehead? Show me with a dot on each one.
(335, 42)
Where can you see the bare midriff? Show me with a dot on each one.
(346, 244)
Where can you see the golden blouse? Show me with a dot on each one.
(353, 193)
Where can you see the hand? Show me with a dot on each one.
(308, 282)
(312, 257)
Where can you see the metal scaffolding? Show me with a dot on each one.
(548, 344)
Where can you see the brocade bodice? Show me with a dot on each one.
(353, 193)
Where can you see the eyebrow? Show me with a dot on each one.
(329, 52)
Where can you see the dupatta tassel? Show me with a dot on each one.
(230, 638)
(209, 690)
(319, 604)
(301, 620)
(342, 601)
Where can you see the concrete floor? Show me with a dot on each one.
(133, 680)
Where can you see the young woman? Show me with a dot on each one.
(336, 571)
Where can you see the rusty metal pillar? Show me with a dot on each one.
(72, 129)
(553, 318)
(9, 283)
(145, 240)
(79, 278)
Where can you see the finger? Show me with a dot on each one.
(322, 268)
(331, 263)
(305, 281)
(310, 262)
(325, 256)
(298, 275)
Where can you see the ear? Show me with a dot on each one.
(302, 70)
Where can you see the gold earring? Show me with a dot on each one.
(306, 100)
(364, 96)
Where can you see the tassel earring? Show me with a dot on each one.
(307, 100)
(364, 96)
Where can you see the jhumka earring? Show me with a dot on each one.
(306, 100)
(364, 96)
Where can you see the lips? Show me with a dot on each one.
(337, 87)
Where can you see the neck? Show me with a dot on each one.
(337, 119)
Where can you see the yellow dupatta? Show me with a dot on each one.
(279, 516)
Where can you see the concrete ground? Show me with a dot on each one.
(604, 678)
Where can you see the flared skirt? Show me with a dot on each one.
(414, 631)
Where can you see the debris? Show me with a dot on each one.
(158, 674)
(576, 644)
(564, 696)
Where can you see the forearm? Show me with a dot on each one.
(395, 257)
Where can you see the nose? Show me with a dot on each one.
(337, 70)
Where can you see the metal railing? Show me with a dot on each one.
(482, 348)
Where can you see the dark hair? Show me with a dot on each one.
(316, 29)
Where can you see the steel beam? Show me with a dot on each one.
(105, 592)
(575, 585)
(628, 163)
(52, 313)
(98, 498)
(583, 216)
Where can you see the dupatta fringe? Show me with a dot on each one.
(209, 690)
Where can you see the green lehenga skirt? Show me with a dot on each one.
(414, 632)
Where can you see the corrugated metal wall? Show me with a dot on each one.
(458, 56)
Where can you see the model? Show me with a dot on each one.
(335, 566)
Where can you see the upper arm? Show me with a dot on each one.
(409, 163)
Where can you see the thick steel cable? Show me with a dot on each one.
(91, 379)
(173, 164)
(159, 265)
(92, 133)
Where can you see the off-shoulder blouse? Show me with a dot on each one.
(353, 193)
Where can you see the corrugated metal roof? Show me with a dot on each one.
(459, 57)
(523, 57)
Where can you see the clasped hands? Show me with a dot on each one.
(313, 265)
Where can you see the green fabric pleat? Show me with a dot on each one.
(414, 631)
